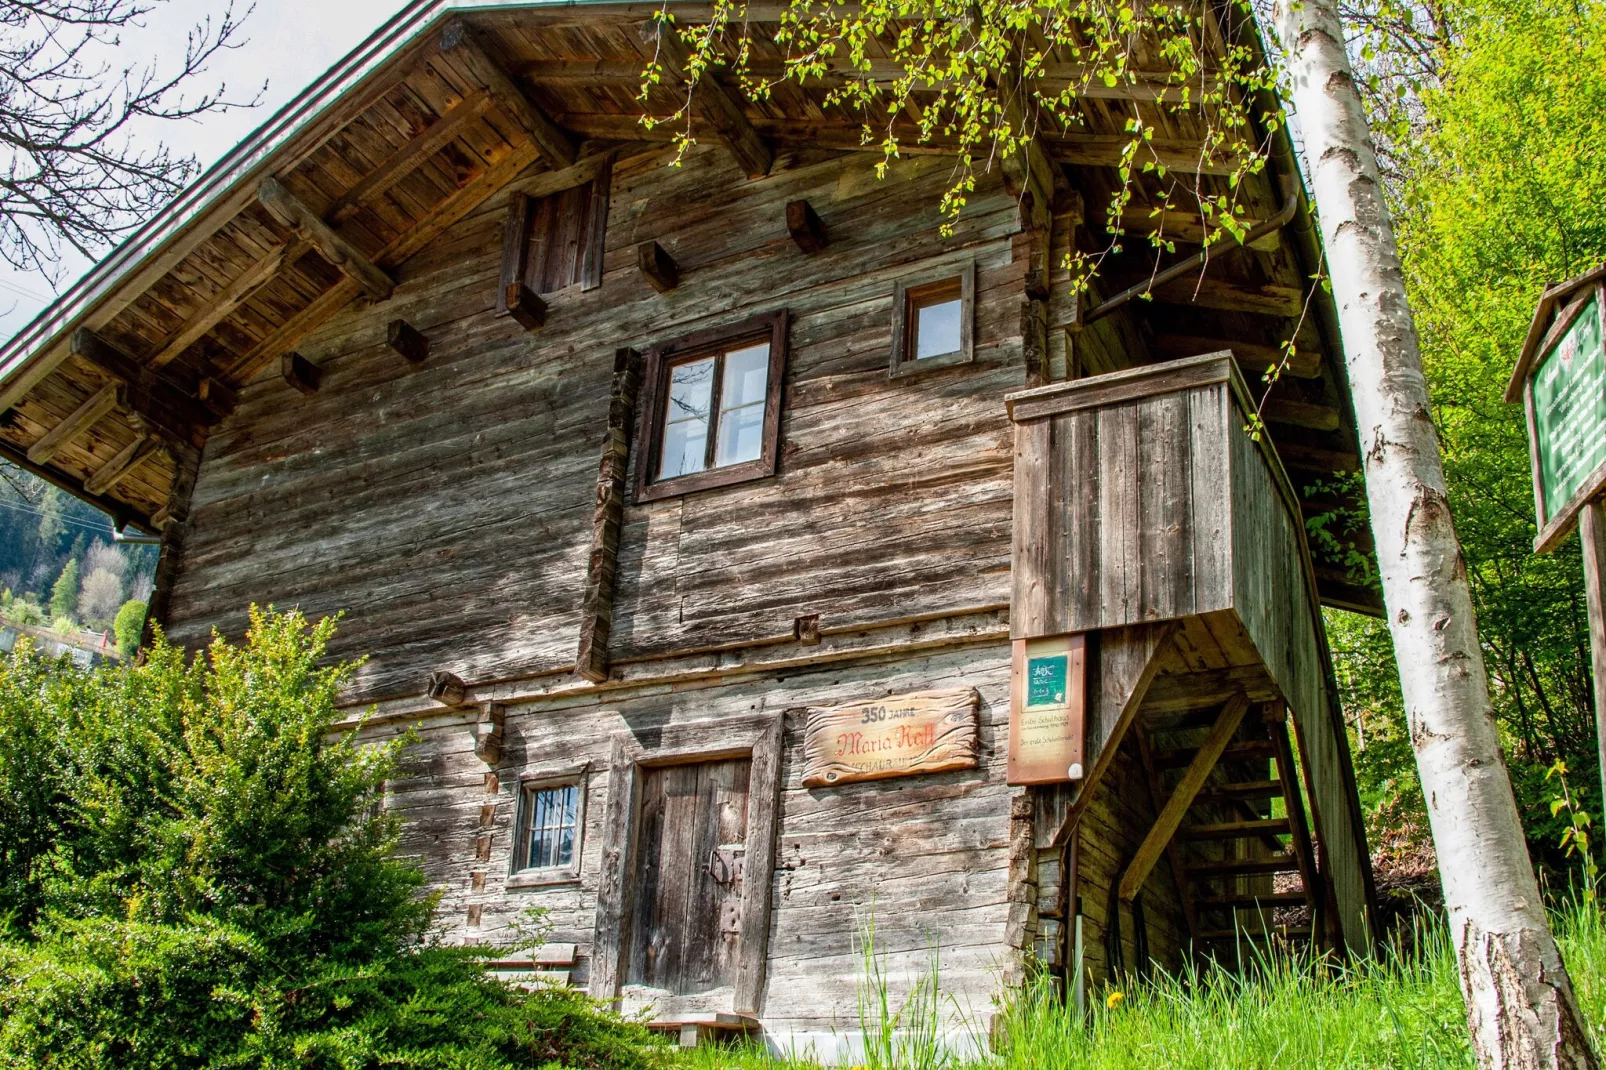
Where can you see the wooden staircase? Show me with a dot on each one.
(1232, 826)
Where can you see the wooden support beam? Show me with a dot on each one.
(1275, 714)
(1244, 867)
(151, 393)
(447, 688)
(129, 459)
(1248, 750)
(219, 398)
(225, 301)
(77, 422)
(1212, 291)
(304, 222)
(1291, 413)
(407, 341)
(805, 227)
(1198, 771)
(607, 517)
(300, 372)
(407, 159)
(1189, 227)
(1251, 829)
(1253, 357)
(458, 43)
(516, 224)
(527, 310)
(720, 105)
(657, 266)
(1173, 851)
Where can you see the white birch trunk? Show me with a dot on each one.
(1520, 1005)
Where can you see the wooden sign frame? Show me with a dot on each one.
(1556, 523)
(899, 735)
(1048, 709)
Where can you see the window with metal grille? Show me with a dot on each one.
(550, 830)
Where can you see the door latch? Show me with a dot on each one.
(725, 863)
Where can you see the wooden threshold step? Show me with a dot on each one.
(696, 1028)
(1244, 867)
(1248, 789)
(1237, 830)
(1237, 752)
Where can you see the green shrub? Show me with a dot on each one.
(194, 873)
(129, 625)
(64, 594)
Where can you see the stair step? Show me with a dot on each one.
(1267, 899)
(1237, 830)
(1244, 867)
(1248, 789)
(1253, 934)
(1236, 752)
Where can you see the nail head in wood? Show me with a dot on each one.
(527, 310)
(407, 340)
(300, 372)
(805, 226)
(446, 688)
(658, 266)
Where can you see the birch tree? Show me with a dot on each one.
(1521, 1009)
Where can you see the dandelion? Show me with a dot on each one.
(1113, 999)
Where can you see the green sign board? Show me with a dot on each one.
(1045, 681)
(1569, 412)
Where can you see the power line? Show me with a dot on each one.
(107, 527)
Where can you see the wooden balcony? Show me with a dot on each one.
(1149, 519)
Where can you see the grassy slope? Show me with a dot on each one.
(1394, 1011)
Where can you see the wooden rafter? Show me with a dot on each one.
(165, 404)
(1193, 778)
(226, 301)
(129, 459)
(401, 163)
(77, 422)
(1253, 358)
(718, 104)
(458, 41)
(288, 209)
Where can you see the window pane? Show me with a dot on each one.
(937, 329)
(553, 816)
(741, 435)
(691, 396)
(747, 374)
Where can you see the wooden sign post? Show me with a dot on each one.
(1561, 380)
(1048, 710)
(901, 735)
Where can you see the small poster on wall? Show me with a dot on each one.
(900, 735)
(1048, 710)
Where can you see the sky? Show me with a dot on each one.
(288, 44)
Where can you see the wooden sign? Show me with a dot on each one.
(1048, 710)
(1565, 395)
(901, 735)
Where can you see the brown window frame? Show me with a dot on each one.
(661, 359)
(521, 873)
(909, 295)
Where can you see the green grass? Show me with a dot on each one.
(1396, 1010)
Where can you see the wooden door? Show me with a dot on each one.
(686, 892)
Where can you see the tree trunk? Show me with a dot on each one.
(1520, 1004)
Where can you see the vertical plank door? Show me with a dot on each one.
(682, 939)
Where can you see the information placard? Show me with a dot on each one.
(900, 735)
(1566, 397)
(1048, 710)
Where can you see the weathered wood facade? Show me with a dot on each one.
(420, 377)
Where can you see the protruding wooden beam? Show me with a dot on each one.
(658, 266)
(488, 734)
(447, 688)
(596, 605)
(407, 341)
(300, 372)
(1270, 299)
(128, 460)
(77, 422)
(719, 104)
(1253, 357)
(458, 42)
(401, 163)
(289, 210)
(527, 310)
(218, 397)
(1182, 226)
(805, 227)
(151, 394)
(225, 301)
(1176, 808)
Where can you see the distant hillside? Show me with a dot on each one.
(44, 533)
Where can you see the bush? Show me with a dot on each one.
(194, 873)
(64, 593)
(129, 626)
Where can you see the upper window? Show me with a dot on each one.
(549, 830)
(931, 320)
(711, 408)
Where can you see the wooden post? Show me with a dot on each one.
(1592, 537)
(607, 518)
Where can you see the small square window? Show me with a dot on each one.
(549, 827)
(931, 321)
(711, 411)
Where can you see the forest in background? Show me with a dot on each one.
(60, 567)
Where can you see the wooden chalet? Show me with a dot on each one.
(711, 522)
